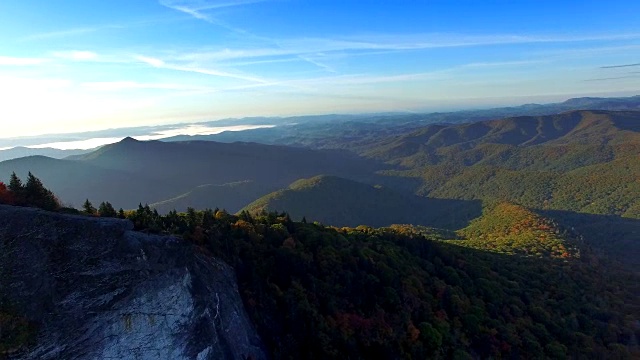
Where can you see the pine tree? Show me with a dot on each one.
(106, 210)
(33, 193)
(88, 208)
(17, 189)
(15, 184)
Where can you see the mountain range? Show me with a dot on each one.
(515, 236)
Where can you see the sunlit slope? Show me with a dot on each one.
(585, 161)
(554, 142)
(512, 229)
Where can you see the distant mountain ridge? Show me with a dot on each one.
(20, 151)
(357, 131)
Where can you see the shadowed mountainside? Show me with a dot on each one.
(231, 197)
(341, 202)
(133, 171)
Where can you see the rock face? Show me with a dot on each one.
(102, 291)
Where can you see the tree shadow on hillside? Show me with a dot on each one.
(451, 214)
(613, 236)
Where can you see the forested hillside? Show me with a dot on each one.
(513, 284)
(584, 161)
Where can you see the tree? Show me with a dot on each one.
(35, 194)
(106, 210)
(15, 184)
(17, 189)
(88, 208)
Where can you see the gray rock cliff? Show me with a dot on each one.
(99, 290)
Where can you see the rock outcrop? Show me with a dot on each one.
(99, 290)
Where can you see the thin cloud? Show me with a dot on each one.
(76, 55)
(503, 64)
(133, 85)
(307, 49)
(161, 64)
(317, 63)
(619, 66)
(61, 33)
(20, 61)
(433, 41)
(197, 8)
(613, 78)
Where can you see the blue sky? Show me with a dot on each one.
(68, 66)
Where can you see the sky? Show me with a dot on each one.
(69, 66)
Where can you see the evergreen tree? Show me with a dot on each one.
(121, 214)
(106, 210)
(88, 208)
(35, 194)
(15, 184)
(17, 189)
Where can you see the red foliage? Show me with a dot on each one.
(6, 197)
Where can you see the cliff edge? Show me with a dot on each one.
(97, 289)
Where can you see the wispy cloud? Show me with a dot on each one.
(503, 64)
(60, 33)
(161, 64)
(321, 51)
(198, 9)
(133, 85)
(614, 78)
(21, 61)
(76, 55)
(619, 66)
(432, 41)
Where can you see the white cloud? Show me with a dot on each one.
(76, 55)
(20, 61)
